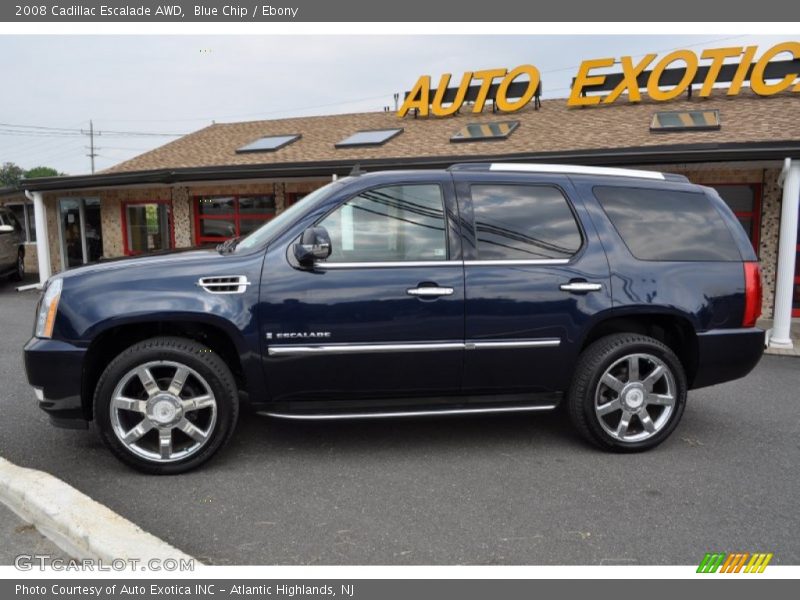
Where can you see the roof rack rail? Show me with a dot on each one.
(568, 170)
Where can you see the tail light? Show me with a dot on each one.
(752, 294)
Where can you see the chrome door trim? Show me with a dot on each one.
(297, 350)
(509, 263)
(499, 345)
(290, 349)
(388, 264)
(440, 263)
(407, 413)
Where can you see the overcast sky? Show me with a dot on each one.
(178, 84)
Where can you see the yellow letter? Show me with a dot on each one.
(687, 56)
(757, 83)
(501, 100)
(717, 56)
(487, 76)
(629, 81)
(583, 79)
(437, 108)
(418, 97)
(741, 72)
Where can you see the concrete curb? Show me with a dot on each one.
(80, 526)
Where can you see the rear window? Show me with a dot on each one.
(668, 225)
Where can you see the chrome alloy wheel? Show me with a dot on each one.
(163, 411)
(635, 397)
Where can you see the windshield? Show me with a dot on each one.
(269, 229)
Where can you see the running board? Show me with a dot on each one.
(406, 413)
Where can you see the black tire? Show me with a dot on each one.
(210, 374)
(617, 352)
(19, 273)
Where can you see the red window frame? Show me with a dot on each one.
(796, 295)
(236, 217)
(754, 215)
(124, 208)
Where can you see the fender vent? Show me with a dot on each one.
(229, 284)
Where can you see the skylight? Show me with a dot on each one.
(375, 137)
(269, 143)
(682, 120)
(476, 132)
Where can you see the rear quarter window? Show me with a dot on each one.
(668, 225)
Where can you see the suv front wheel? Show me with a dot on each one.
(628, 393)
(166, 405)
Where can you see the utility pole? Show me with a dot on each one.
(92, 154)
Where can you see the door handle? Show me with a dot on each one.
(430, 291)
(580, 287)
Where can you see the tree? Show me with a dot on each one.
(10, 175)
(41, 172)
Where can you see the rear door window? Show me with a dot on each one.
(523, 222)
(668, 225)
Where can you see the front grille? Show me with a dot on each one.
(227, 284)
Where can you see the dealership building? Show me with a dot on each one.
(228, 178)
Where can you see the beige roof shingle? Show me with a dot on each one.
(553, 128)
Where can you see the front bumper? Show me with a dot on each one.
(727, 354)
(55, 370)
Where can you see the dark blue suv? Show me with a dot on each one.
(479, 289)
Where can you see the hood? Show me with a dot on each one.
(165, 257)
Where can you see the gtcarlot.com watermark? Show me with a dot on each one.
(30, 562)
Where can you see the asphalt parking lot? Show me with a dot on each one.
(477, 490)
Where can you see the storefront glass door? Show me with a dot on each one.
(80, 234)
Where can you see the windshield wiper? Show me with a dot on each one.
(228, 245)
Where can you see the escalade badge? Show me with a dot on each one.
(285, 335)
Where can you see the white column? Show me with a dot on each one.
(787, 252)
(42, 240)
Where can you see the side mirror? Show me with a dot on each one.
(9, 229)
(315, 244)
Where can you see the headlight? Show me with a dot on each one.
(47, 310)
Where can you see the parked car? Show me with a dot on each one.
(477, 289)
(12, 248)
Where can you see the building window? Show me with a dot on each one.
(685, 120)
(269, 144)
(477, 132)
(147, 226)
(374, 137)
(745, 202)
(219, 218)
(26, 218)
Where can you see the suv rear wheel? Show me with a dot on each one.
(628, 393)
(166, 405)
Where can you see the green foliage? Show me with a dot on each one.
(10, 175)
(41, 172)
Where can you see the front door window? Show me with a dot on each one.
(148, 227)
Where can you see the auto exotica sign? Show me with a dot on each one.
(637, 75)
